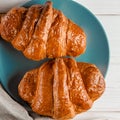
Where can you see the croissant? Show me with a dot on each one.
(62, 88)
(0, 21)
(41, 31)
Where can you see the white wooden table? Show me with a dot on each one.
(108, 106)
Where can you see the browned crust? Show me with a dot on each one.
(70, 88)
(50, 35)
(1, 15)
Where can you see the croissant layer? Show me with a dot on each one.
(62, 88)
(41, 31)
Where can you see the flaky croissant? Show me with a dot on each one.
(41, 31)
(62, 88)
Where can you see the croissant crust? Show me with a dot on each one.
(41, 31)
(62, 88)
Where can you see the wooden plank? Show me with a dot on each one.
(102, 6)
(98, 116)
(111, 25)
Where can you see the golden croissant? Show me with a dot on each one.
(41, 31)
(62, 88)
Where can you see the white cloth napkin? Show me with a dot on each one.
(5, 5)
(11, 110)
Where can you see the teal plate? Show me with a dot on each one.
(13, 64)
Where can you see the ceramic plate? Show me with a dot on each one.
(13, 64)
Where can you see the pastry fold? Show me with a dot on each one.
(62, 88)
(41, 31)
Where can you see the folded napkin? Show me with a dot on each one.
(11, 110)
(5, 5)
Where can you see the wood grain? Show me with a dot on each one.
(98, 116)
(102, 6)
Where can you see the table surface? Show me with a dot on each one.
(108, 106)
(108, 13)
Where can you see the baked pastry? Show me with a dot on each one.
(1, 15)
(62, 88)
(41, 31)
